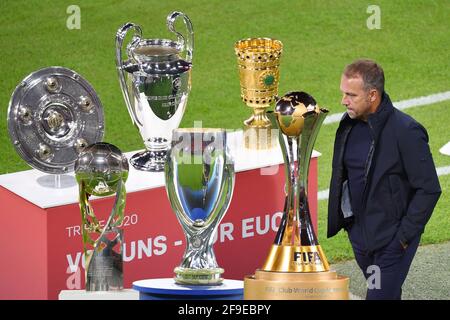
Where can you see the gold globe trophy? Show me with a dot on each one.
(259, 61)
(296, 267)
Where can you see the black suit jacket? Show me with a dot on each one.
(401, 184)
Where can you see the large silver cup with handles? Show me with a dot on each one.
(155, 79)
(199, 183)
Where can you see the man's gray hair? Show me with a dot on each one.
(371, 73)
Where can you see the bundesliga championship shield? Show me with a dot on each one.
(53, 114)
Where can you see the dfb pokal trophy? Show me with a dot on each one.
(199, 182)
(102, 170)
(259, 62)
(155, 80)
(296, 267)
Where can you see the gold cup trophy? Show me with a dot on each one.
(259, 61)
(296, 267)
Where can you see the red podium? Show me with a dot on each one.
(41, 245)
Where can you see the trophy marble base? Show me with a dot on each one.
(267, 285)
(152, 161)
(125, 294)
(187, 276)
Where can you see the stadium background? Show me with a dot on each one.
(319, 37)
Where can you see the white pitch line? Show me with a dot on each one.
(441, 171)
(332, 118)
(445, 149)
(323, 195)
(422, 101)
(403, 104)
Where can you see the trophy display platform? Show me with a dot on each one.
(41, 235)
(125, 294)
(167, 289)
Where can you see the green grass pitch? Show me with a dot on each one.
(319, 38)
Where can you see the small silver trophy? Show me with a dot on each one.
(102, 170)
(199, 182)
(155, 81)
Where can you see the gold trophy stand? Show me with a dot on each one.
(258, 132)
(270, 285)
(296, 273)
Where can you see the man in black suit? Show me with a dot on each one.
(384, 185)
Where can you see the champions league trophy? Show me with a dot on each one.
(199, 183)
(296, 267)
(259, 61)
(102, 170)
(53, 114)
(155, 81)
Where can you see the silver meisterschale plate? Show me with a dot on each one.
(53, 115)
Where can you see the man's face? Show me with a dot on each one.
(355, 98)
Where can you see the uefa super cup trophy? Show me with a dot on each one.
(155, 80)
(199, 183)
(259, 62)
(102, 170)
(296, 267)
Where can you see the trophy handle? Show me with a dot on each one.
(188, 41)
(120, 36)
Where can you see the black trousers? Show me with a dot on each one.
(386, 269)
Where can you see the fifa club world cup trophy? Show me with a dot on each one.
(296, 266)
